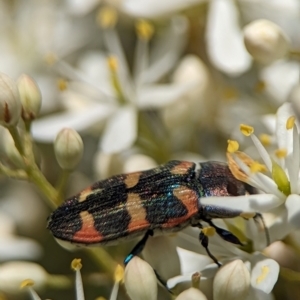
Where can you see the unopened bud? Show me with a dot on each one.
(30, 97)
(232, 282)
(68, 147)
(265, 41)
(12, 274)
(140, 280)
(10, 105)
(191, 294)
(8, 148)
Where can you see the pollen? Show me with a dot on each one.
(264, 272)
(26, 283)
(265, 139)
(62, 84)
(209, 231)
(107, 17)
(290, 122)
(232, 146)
(246, 130)
(257, 167)
(281, 153)
(112, 62)
(260, 86)
(119, 273)
(144, 30)
(76, 264)
(50, 58)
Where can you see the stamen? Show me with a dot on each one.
(281, 153)
(26, 283)
(260, 86)
(265, 139)
(264, 272)
(119, 273)
(76, 264)
(233, 146)
(246, 130)
(144, 30)
(107, 17)
(112, 62)
(62, 84)
(209, 231)
(290, 122)
(234, 167)
(50, 58)
(257, 167)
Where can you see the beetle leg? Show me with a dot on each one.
(224, 234)
(138, 248)
(204, 242)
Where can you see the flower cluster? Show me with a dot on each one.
(123, 86)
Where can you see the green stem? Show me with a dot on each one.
(103, 259)
(289, 275)
(38, 178)
(17, 174)
(61, 184)
(59, 282)
(17, 139)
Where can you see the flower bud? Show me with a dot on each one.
(10, 105)
(30, 97)
(68, 147)
(232, 282)
(13, 273)
(9, 150)
(140, 280)
(265, 41)
(191, 294)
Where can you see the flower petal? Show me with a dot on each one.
(224, 38)
(155, 8)
(248, 203)
(121, 130)
(161, 95)
(46, 129)
(264, 274)
(292, 205)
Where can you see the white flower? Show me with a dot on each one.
(121, 95)
(278, 178)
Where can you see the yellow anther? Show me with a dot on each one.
(230, 93)
(234, 167)
(112, 62)
(144, 30)
(232, 146)
(76, 264)
(50, 58)
(260, 86)
(281, 153)
(264, 272)
(107, 17)
(26, 283)
(209, 231)
(119, 273)
(100, 298)
(265, 139)
(257, 167)
(62, 84)
(290, 122)
(246, 130)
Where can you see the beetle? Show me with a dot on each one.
(156, 201)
